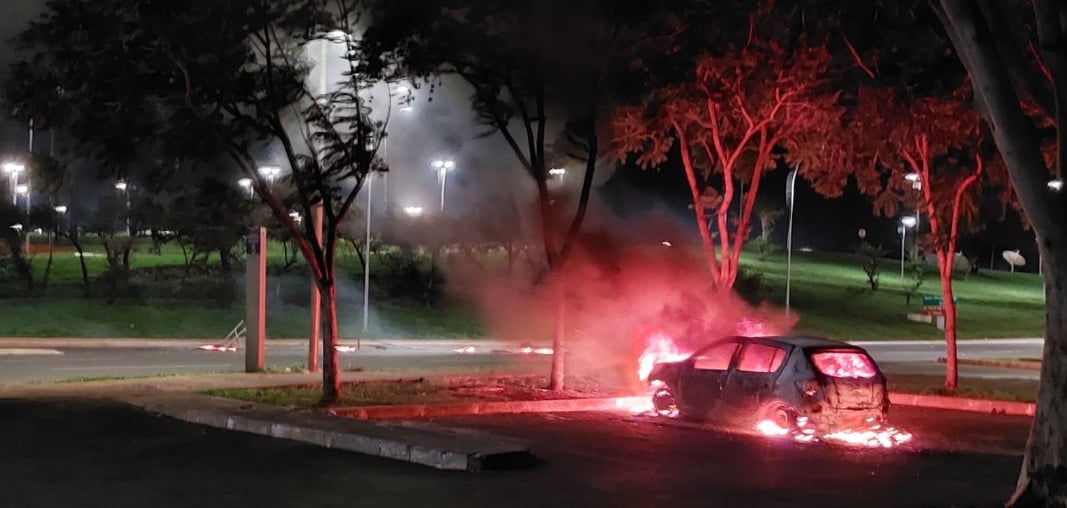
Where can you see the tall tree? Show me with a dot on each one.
(991, 39)
(924, 153)
(229, 78)
(730, 120)
(535, 67)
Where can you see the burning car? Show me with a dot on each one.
(788, 384)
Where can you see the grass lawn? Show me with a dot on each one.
(829, 294)
(1021, 390)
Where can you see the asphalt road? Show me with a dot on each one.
(50, 364)
(59, 454)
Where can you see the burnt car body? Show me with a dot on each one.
(817, 383)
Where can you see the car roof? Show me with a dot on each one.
(803, 342)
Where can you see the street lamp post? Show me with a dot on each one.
(790, 188)
(917, 184)
(124, 188)
(366, 257)
(246, 184)
(24, 190)
(443, 167)
(13, 169)
(905, 223)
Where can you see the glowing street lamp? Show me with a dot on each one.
(443, 167)
(61, 209)
(905, 223)
(246, 183)
(1055, 185)
(270, 172)
(22, 189)
(124, 188)
(560, 172)
(13, 169)
(413, 211)
(296, 217)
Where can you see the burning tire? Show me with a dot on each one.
(664, 403)
(780, 415)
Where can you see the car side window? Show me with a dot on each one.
(716, 357)
(760, 358)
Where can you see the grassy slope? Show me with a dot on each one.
(829, 292)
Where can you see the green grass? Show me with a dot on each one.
(1018, 390)
(371, 393)
(831, 296)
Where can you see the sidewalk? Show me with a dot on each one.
(70, 342)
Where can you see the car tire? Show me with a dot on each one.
(664, 403)
(780, 414)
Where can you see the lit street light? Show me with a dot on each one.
(246, 183)
(1056, 184)
(13, 170)
(124, 188)
(443, 167)
(916, 184)
(61, 209)
(413, 211)
(560, 172)
(296, 217)
(905, 223)
(270, 172)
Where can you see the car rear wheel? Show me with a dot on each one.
(781, 415)
(664, 403)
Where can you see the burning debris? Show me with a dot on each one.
(875, 436)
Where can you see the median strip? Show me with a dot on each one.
(1004, 407)
(495, 407)
(428, 445)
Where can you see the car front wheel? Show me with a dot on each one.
(664, 403)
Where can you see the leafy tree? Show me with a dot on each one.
(208, 77)
(531, 64)
(731, 121)
(1018, 63)
(935, 141)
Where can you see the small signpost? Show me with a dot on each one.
(934, 308)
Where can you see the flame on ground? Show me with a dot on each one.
(875, 436)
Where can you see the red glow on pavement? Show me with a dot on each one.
(659, 348)
(839, 364)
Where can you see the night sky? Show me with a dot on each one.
(630, 192)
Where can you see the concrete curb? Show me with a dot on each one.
(436, 447)
(1004, 407)
(28, 352)
(1003, 364)
(193, 343)
(483, 408)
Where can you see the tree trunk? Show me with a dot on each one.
(951, 368)
(698, 207)
(81, 260)
(224, 260)
(48, 265)
(1043, 475)
(556, 382)
(331, 371)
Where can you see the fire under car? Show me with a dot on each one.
(816, 383)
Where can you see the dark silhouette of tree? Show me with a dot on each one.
(1016, 56)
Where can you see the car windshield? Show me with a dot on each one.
(849, 364)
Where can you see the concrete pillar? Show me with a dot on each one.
(255, 299)
(315, 330)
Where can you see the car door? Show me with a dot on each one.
(702, 380)
(750, 383)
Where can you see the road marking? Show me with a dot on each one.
(28, 352)
(112, 367)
